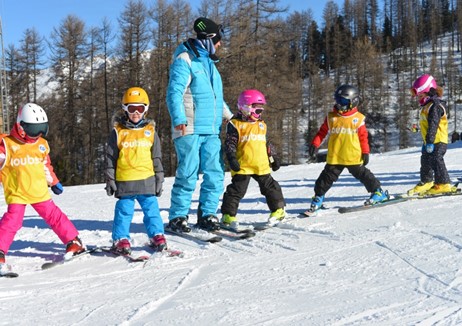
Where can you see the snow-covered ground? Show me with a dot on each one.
(396, 265)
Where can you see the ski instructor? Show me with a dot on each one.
(197, 109)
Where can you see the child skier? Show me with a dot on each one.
(27, 173)
(434, 177)
(250, 155)
(134, 171)
(348, 147)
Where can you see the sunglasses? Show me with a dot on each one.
(132, 108)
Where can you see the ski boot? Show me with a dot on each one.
(208, 223)
(316, 205)
(377, 196)
(121, 247)
(74, 247)
(230, 221)
(277, 216)
(420, 188)
(179, 224)
(440, 188)
(158, 243)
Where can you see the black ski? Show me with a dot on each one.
(9, 275)
(233, 235)
(63, 260)
(195, 236)
(238, 230)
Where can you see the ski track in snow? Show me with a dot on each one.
(150, 307)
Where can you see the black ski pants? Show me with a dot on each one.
(432, 165)
(236, 190)
(331, 173)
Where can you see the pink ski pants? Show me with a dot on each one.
(12, 220)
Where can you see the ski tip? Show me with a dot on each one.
(308, 213)
(9, 275)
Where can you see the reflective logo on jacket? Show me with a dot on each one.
(251, 149)
(344, 147)
(23, 173)
(135, 155)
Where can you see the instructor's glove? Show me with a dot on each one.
(430, 148)
(234, 164)
(57, 188)
(159, 183)
(110, 187)
(365, 159)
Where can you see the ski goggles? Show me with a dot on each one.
(132, 108)
(35, 129)
(342, 101)
(256, 107)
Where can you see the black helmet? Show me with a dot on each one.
(347, 98)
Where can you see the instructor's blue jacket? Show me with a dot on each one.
(195, 91)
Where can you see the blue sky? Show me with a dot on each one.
(18, 15)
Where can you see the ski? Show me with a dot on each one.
(65, 259)
(167, 252)
(262, 226)
(395, 200)
(5, 271)
(391, 201)
(311, 212)
(194, 236)
(9, 275)
(308, 213)
(235, 230)
(131, 258)
(231, 235)
(458, 192)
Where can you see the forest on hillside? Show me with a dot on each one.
(294, 60)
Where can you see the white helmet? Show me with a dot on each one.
(33, 120)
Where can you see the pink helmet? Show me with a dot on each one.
(423, 85)
(250, 103)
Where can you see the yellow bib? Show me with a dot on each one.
(251, 149)
(344, 147)
(23, 173)
(135, 156)
(442, 132)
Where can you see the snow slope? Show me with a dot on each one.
(399, 265)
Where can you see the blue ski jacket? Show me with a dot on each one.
(195, 91)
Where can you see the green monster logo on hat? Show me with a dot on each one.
(201, 25)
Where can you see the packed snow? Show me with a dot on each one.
(395, 265)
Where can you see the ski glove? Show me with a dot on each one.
(110, 187)
(429, 148)
(234, 164)
(57, 188)
(365, 159)
(159, 183)
(275, 165)
(312, 151)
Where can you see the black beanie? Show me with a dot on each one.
(207, 28)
